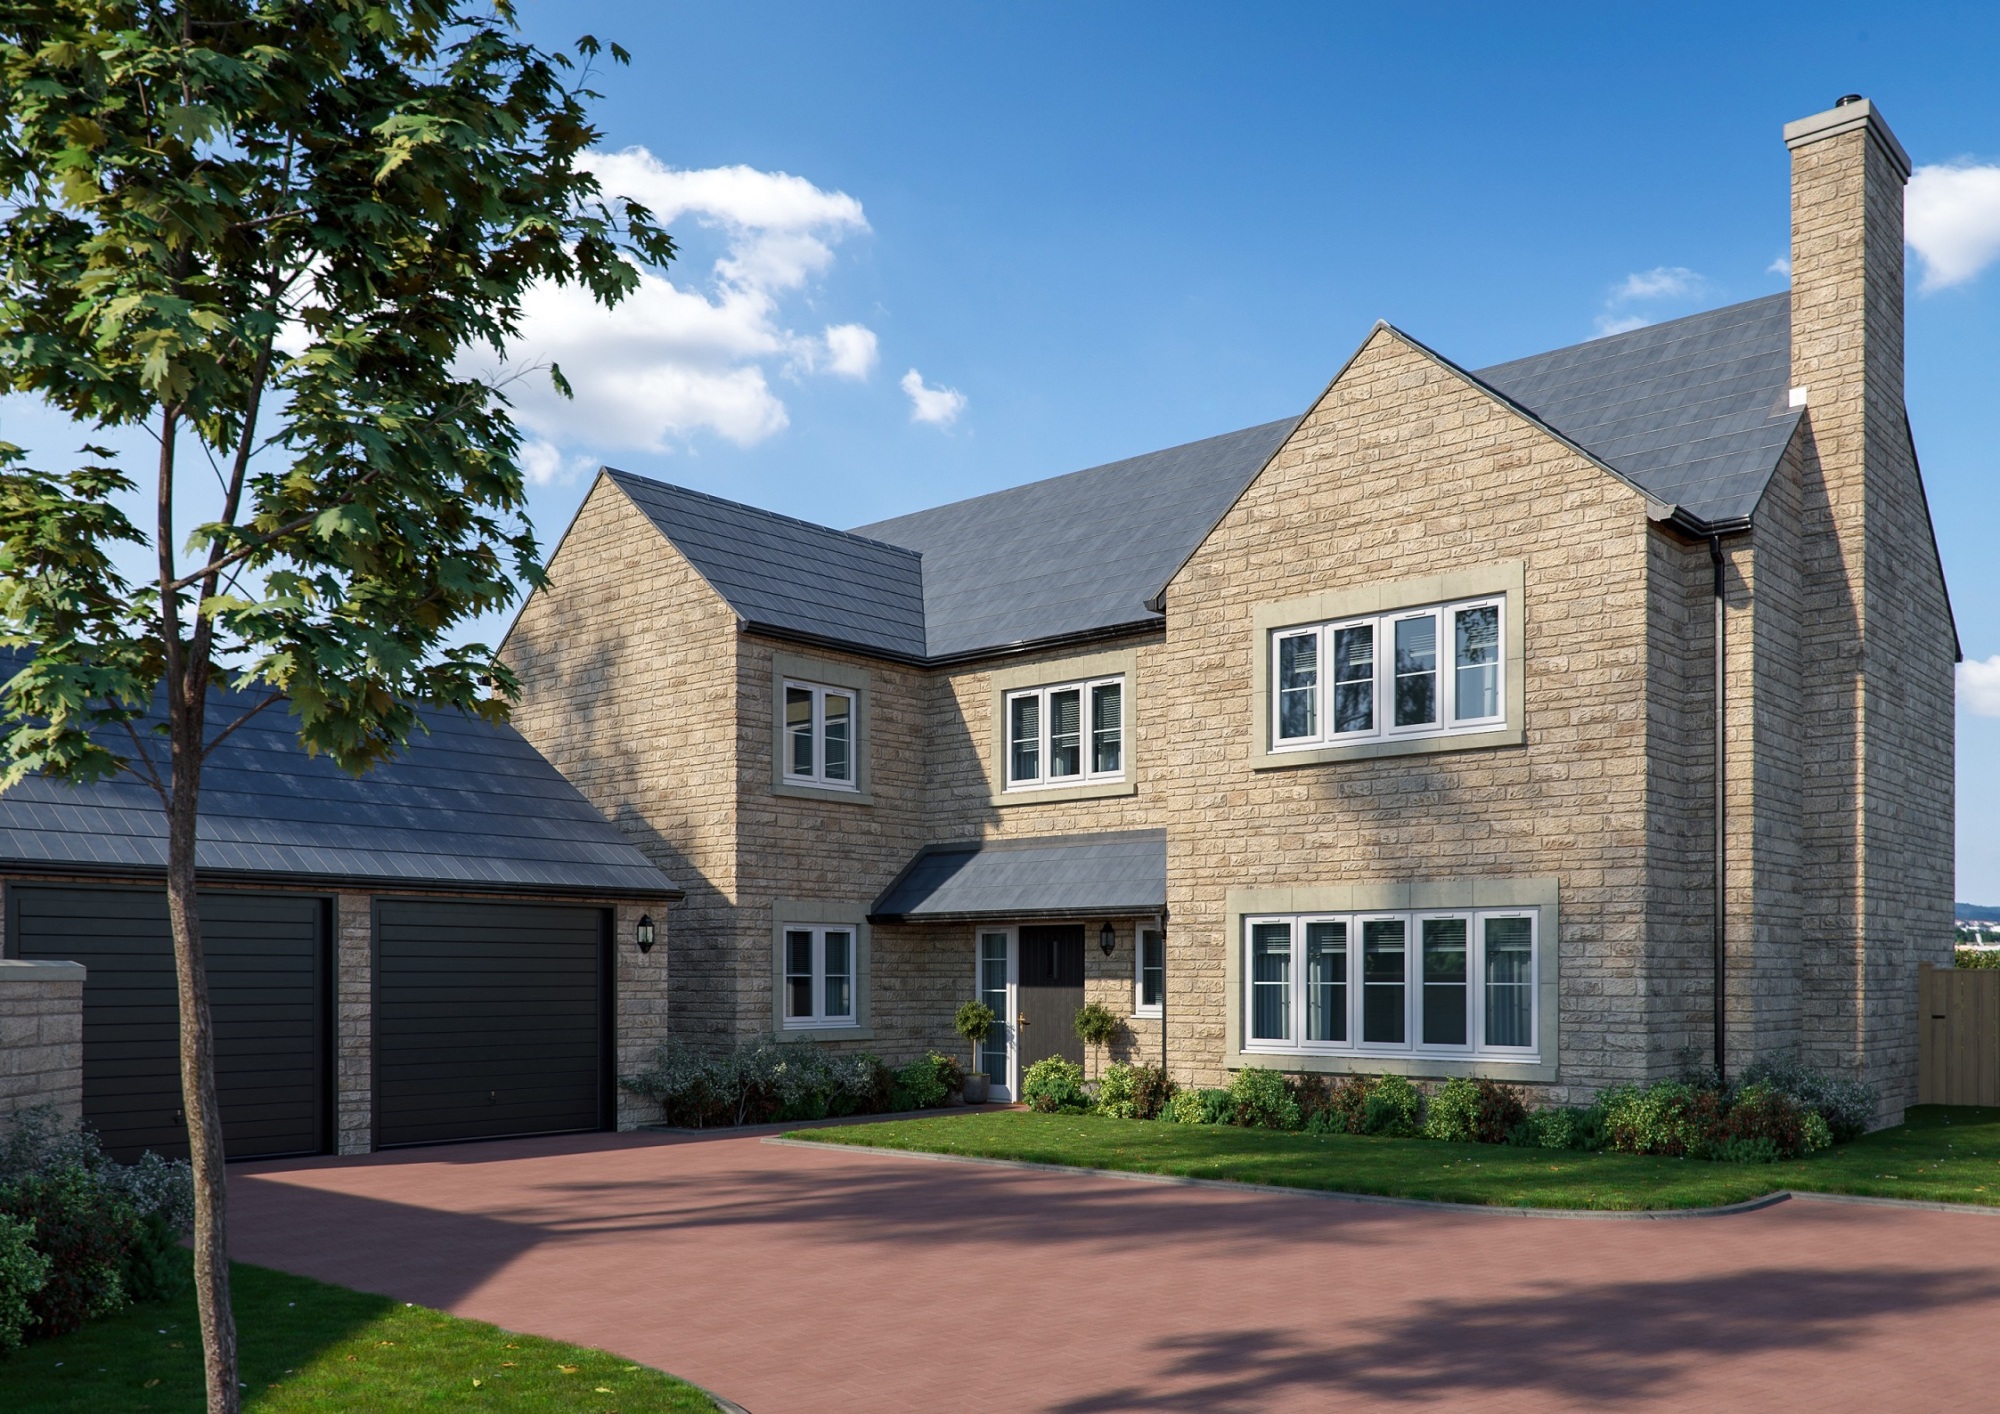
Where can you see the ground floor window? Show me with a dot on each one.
(819, 976)
(1150, 964)
(1447, 983)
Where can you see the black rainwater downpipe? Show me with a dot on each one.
(1721, 798)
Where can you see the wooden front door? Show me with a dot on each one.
(1049, 993)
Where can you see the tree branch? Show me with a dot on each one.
(152, 773)
(244, 552)
(223, 735)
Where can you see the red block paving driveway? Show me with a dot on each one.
(793, 1279)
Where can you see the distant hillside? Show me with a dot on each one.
(1978, 912)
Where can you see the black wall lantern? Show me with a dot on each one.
(1107, 941)
(645, 932)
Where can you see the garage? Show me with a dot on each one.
(269, 982)
(492, 1020)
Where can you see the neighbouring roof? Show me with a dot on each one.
(1694, 411)
(470, 807)
(1069, 876)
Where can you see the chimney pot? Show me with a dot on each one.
(1845, 99)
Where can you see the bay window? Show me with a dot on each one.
(1445, 983)
(1432, 671)
(1066, 734)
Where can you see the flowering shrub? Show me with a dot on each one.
(764, 1081)
(1847, 1106)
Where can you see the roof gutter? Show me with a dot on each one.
(1121, 910)
(1082, 637)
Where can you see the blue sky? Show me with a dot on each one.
(930, 250)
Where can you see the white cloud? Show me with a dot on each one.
(1781, 266)
(938, 406)
(851, 350)
(1620, 323)
(683, 356)
(1661, 282)
(1951, 217)
(1979, 686)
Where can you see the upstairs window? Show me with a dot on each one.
(1068, 734)
(1433, 671)
(819, 976)
(819, 735)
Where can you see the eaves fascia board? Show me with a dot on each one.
(352, 883)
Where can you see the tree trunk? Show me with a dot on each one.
(202, 1112)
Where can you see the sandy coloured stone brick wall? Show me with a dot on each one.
(1402, 470)
(41, 1036)
(628, 670)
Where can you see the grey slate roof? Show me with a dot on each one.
(1069, 876)
(1073, 553)
(470, 807)
(1693, 410)
(792, 575)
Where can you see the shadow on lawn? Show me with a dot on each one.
(1596, 1345)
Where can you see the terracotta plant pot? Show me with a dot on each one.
(976, 1088)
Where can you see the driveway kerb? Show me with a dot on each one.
(1748, 1205)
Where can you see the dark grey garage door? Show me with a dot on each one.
(490, 1020)
(268, 984)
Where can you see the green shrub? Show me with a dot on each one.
(919, 1086)
(1202, 1107)
(974, 1021)
(1260, 1099)
(1394, 1109)
(85, 1232)
(1134, 1092)
(1565, 1127)
(1847, 1106)
(1975, 957)
(1348, 1103)
(157, 1267)
(1761, 1124)
(763, 1081)
(1453, 1112)
(1055, 1086)
(950, 1073)
(1658, 1119)
(23, 1272)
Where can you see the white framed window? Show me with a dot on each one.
(1447, 983)
(1070, 733)
(1149, 970)
(820, 736)
(1431, 671)
(819, 975)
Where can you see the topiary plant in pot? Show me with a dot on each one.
(1096, 1025)
(975, 1023)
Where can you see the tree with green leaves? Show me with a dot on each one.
(276, 236)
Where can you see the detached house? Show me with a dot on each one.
(1538, 722)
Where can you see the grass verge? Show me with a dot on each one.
(307, 1346)
(1940, 1154)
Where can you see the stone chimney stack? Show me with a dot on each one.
(1848, 172)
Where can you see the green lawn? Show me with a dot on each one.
(1941, 1155)
(307, 1346)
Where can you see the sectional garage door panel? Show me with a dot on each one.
(489, 1020)
(267, 998)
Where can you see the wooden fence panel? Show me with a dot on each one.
(1958, 1036)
